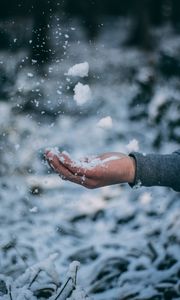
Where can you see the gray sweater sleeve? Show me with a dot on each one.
(157, 170)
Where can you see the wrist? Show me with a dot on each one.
(131, 170)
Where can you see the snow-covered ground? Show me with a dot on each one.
(127, 241)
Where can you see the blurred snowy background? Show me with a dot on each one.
(127, 241)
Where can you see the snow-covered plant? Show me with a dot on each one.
(69, 284)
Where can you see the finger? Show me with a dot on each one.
(49, 151)
(49, 160)
(54, 162)
(83, 181)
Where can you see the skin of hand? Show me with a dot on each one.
(114, 168)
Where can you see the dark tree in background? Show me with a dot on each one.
(36, 14)
(145, 13)
(41, 48)
(176, 14)
(140, 32)
(39, 13)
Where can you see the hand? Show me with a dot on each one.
(93, 172)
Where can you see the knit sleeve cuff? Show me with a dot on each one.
(156, 170)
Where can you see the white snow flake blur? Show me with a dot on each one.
(80, 70)
(105, 123)
(82, 93)
(133, 145)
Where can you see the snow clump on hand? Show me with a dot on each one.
(80, 70)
